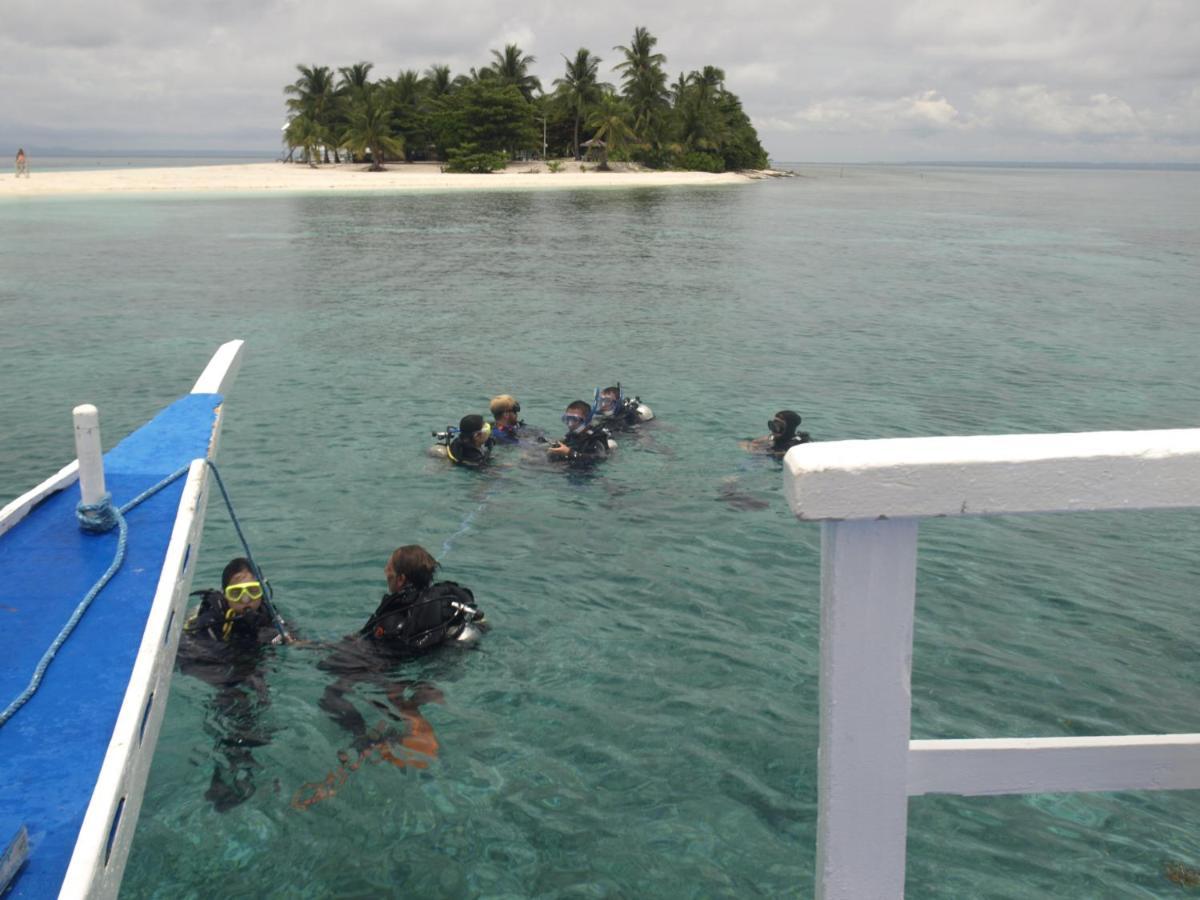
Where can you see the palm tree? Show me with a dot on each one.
(645, 82)
(313, 96)
(371, 128)
(512, 67)
(678, 89)
(438, 81)
(701, 124)
(579, 88)
(354, 78)
(710, 82)
(610, 121)
(302, 132)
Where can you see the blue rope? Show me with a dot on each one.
(102, 517)
(276, 620)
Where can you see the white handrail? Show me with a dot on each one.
(869, 497)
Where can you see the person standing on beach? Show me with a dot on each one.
(22, 163)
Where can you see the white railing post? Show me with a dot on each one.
(91, 457)
(868, 586)
(869, 497)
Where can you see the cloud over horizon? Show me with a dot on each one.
(857, 80)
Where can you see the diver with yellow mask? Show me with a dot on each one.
(222, 644)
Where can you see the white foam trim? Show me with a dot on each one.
(1139, 762)
(221, 370)
(18, 509)
(994, 474)
(96, 868)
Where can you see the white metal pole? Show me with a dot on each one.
(868, 588)
(91, 457)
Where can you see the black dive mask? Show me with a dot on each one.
(776, 427)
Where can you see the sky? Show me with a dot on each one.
(843, 81)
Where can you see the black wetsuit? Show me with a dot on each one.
(626, 416)
(229, 662)
(405, 625)
(785, 442)
(465, 453)
(207, 652)
(587, 446)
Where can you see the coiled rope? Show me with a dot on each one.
(100, 518)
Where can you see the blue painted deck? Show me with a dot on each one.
(52, 749)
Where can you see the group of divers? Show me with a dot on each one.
(223, 639)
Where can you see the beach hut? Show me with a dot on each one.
(597, 151)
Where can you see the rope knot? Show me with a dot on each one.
(97, 518)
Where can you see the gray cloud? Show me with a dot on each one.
(850, 80)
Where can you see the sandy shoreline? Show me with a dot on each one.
(295, 178)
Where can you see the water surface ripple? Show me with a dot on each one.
(641, 721)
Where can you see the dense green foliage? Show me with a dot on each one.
(470, 157)
(500, 111)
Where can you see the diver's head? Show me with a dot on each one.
(241, 587)
(474, 430)
(610, 401)
(577, 416)
(784, 424)
(505, 410)
(410, 566)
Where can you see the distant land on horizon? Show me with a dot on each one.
(269, 155)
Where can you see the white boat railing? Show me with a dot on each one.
(98, 861)
(869, 497)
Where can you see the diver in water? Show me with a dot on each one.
(507, 428)
(222, 645)
(414, 616)
(583, 442)
(783, 437)
(471, 445)
(619, 412)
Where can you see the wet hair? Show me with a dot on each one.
(790, 419)
(613, 391)
(582, 407)
(241, 564)
(468, 425)
(502, 404)
(415, 564)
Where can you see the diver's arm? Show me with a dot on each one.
(757, 445)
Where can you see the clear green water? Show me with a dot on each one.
(641, 721)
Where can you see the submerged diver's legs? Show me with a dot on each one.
(338, 707)
(419, 737)
(235, 724)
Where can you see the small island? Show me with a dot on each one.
(481, 121)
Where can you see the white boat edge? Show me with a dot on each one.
(102, 847)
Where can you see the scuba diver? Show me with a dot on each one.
(415, 616)
(583, 442)
(222, 645)
(619, 412)
(468, 445)
(783, 435)
(507, 428)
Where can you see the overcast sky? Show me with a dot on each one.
(850, 81)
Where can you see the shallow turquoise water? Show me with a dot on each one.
(642, 718)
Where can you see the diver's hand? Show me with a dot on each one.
(558, 449)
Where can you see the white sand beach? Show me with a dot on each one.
(277, 177)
